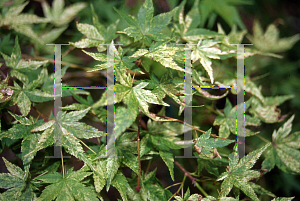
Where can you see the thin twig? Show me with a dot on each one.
(186, 173)
(68, 51)
(138, 187)
(45, 117)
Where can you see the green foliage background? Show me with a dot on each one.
(149, 80)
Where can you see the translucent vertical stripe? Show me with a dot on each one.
(110, 102)
(240, 100)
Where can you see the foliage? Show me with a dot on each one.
(149, 69)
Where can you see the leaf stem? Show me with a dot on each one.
(180, 187)
(201, 189)
(62, 163)
(186, 173)
(138, 187)
(87, 146)
(173, 185)
(262, 138)
(148, 166)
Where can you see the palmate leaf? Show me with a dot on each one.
(267, 110)
(228, 121)
(106, 166)
(20, 22)
(96, 34)
(71, 131)
(239, 173)
(146, 26)
(17, 183)
(207, 50)
(207, 144)
(187, 196)
(187, 27)
(161, 53)
(121, 62)
(270, 41)
(284, 152)
(283, 199)
(19, 66)
(164, 86)
(68, 188)
(59, 15)
(130, 94)
(23, 131)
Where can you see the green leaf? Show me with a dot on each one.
(146, 26)
(238, 173)
(228, 121)
(267, 110)
(17, 184)
(162, 54)
(283, 199)
(121, 184)
(205, 51)
(284, 153)
(20, 22)
(59, 15)
(270, 41)
(168, 158)
(71, 131)
(207, 144)
(68, 188)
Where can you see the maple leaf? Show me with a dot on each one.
(17, 184)
(267, 110)
(23, 131)
(187, 27)
(207, 50)
(71, 131)
(164, 86)
(121, 62)
(270, 41)
(239, 173)
(59, 15)
(161, 53)
(135, 97)
(206, 143)
(69, 187)
(284, 151)
(20, 22)
(228, 121)
(96, 34)
(146, 26)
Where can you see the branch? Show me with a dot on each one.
(186, 173)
